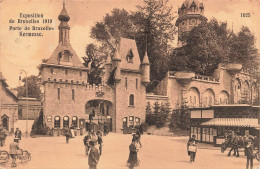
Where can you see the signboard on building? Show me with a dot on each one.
(207, 114)
(195, 114)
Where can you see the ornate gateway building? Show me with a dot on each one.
(68, 98)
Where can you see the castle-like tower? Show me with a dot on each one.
(69, 99)
(191, 14)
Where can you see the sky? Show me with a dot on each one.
(25, 53)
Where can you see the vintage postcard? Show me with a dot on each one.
(117, 84)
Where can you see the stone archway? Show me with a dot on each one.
(100, 111)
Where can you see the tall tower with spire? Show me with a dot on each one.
(63, 77)
(191, 14)
(64, 28)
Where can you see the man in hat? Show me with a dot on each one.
(249, 153)
(14, 146)
(86, 140)
(192, 148)
(18, 133)
(93, 157)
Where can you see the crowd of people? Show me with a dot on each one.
(91, 151)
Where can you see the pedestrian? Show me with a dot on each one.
(3, 136)
(100, 143)
(93, 135)
(5, 132)
(137, 137)
(133, 160)
(14, 146)
(93, 157)
(249, 153)
(67, 135)
(192, 148)
(18, 134)
(72, 133)
(86, 140)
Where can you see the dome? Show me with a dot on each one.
(64, 14)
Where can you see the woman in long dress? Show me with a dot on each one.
(133, 160)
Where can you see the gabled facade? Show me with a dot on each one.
(69, 99)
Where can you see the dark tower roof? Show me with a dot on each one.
(64, 17)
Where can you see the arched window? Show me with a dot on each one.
(57, 122)
(124, 122)
(75, 121)
(131, 100)
(66, 122)
(137, 121)
(131, 121)
(129, 56)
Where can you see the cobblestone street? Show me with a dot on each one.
(158, 152)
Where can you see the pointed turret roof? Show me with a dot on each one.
(145, 59)
(117, 55)
(64, 16)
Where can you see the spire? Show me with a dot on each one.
(64, 17)
(64, 26)
(117, 55)
(145, 59)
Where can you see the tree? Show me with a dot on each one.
(206, 47)
(212, 43)
(93, 60)
(33, 87)
(243, 50)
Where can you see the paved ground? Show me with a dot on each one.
(158, 152)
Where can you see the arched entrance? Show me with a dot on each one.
(5, 121)
(100, 113)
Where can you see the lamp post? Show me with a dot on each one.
(26, 87)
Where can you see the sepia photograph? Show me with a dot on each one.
(129, 84)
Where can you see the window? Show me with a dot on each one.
(136, 84)
(57, 122)
(66, 122)
(80, 74)
(129, 56)
(131, 100)
(210, 100)
(126, 83)
(124, 122)
(73, 94)
(72, 81)
(58, 93)
(66, 55)
(131, 121)
(137, 121)
(75, 121)
(66, 72)
(52, 71)
(60, 80)
(49, 79)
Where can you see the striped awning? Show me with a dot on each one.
(235, 122)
